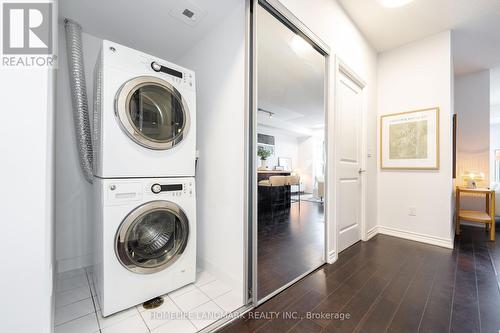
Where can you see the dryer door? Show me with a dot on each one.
(152, 112)
(152, 237)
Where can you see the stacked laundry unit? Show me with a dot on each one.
(144, 147)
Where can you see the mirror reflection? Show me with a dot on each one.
(290, 155)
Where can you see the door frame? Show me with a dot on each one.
(285, 16)
(341, 68)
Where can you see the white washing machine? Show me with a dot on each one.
(145, 237)
(144, 115)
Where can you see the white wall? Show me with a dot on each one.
(327, 20)
(472, 105)
(310, 160)
(285, 145)
(27, 148)
(306, 162)
(494, 109)
(73, 193)
(219, 64)
(417, 76)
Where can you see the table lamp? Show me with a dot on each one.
(471, 178)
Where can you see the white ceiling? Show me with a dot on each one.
(290, 82)
(147, 26)
(476, 26)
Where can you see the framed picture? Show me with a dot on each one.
(410, 140)
(285, 162)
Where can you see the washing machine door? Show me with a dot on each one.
(152, 237)
(152, 112)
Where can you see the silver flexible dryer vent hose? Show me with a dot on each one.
(79, 96)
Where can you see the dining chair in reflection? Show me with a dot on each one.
(278, 191)
(294, 180)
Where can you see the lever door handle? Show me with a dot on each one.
(360, 171)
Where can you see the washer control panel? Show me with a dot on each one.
(172, 189)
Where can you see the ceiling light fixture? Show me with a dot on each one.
(394, 3)
(271, 114)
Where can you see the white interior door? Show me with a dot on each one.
(349, 164)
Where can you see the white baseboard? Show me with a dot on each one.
(332, 257)
(372, 232)
(417, 237)
(69, 264)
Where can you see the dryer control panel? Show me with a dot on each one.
(177, 76)
(172, 189)
(133, 61)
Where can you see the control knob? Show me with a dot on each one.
(155, 66)
(156, 188)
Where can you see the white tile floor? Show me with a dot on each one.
(185, 310)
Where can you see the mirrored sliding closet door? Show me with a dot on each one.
(290, 153)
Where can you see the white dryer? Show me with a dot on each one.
(145, 239)
(144, 115)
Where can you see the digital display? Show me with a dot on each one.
(171, 187)
(171, 71)
(159, 68)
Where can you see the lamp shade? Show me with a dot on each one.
(471, 178)
(473, 175)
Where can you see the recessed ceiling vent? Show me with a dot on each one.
(188, 12)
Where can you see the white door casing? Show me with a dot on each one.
(349, 159)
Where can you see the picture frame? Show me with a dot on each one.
(285, 162)
(410, 140)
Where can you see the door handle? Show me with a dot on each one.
(360, 171)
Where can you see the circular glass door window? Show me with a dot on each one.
(152, 237)
(152, 112)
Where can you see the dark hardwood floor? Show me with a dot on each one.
(289, 246)
(392, 285)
